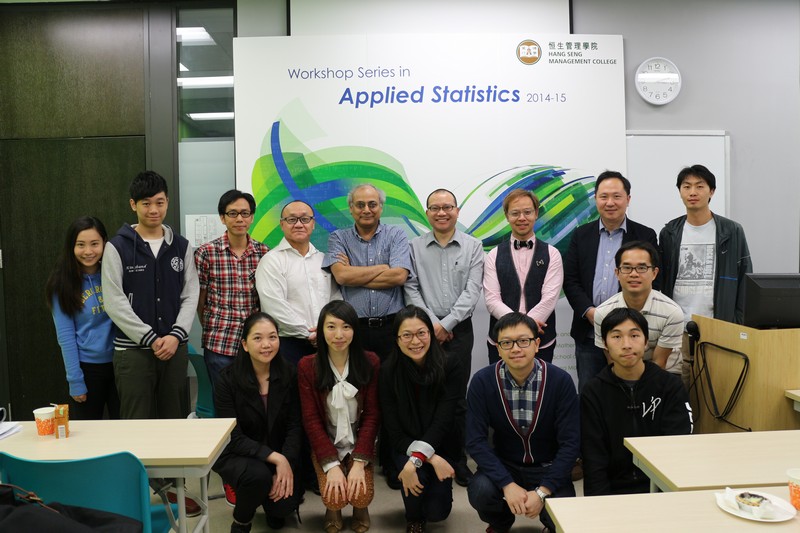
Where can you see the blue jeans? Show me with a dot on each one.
(436, 500)
(589, 359)
(487, 498)
(215, 363)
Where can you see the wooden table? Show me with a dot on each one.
(693, 511)
(774, 356)
(176, 448)
(794, 395)
(700, 462)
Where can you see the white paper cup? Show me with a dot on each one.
(794, 487)
(44, 420)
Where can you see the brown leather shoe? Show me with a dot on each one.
(333, 521)
(360, 522)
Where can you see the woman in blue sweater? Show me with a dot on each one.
(84, 330)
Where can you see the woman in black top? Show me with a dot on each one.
(261, 461)
(419, 391)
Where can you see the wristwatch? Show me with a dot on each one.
(542, 494)
(416, 461)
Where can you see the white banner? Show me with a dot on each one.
(477, 114)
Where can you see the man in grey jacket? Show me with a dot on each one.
(704, 255)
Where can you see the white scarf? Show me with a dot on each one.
(340, 394)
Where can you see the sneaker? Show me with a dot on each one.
(230, 495)
(192, 507)
(275, 522)
(463, 473)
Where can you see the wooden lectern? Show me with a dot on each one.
(774, 359)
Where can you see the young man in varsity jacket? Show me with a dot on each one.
(151, 290)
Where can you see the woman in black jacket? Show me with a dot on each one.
(259, 389)
(419, 391)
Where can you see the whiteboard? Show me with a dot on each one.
(654, 160)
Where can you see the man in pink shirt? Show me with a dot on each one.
(523, 274)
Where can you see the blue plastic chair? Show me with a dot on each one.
(115, 483)
(204, 407)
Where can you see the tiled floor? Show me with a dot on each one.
(386, 512)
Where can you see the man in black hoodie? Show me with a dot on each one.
(628, 398)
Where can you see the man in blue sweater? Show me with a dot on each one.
(532, 408)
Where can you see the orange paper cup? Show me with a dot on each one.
(44, 420)
(794, 487)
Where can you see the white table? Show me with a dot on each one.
(794, 395)
(175, 448)
(715, 460)
(666, 512)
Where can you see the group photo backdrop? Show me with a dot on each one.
(479, 114)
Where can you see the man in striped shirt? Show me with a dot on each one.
(637, 266)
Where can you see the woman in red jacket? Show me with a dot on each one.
(339, 397)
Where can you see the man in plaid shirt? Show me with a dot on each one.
(532, 407)
(226, 267)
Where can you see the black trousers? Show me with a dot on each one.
(102, 393)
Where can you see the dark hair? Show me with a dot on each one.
(618, 316)
(520, 193)
(360, 369)
(287, 204)
(403, 378)
(231, 196)
(242, 367)
(147, 184)
(428, 200)
(515, 318)
(434, 359)
(655, 259)
(613, 174)
(65, 279)
(698, 171)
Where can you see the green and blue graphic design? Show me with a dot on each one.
(289, 171)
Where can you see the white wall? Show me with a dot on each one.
(740, 61)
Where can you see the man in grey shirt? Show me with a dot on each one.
(447, 280)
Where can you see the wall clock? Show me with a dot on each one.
(658, 80)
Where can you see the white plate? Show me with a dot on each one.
(787, 510)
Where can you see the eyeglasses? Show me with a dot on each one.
(527, 212)
(293, 220)
(235, 214)
(436, 208)
(508, 344)
(641, 269)
(407, 336)
(361, 205)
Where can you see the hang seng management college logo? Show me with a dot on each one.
(176, 264)
(529, 52)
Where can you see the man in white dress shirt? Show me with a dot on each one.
(291, 285)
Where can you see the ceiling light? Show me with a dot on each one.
(211, 116)
(194, 36)
(211, 82)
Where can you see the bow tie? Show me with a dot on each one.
(523, 244)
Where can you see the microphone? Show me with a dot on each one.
(694, 335)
